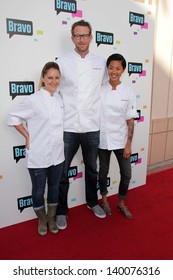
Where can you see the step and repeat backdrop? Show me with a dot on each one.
(35, 32)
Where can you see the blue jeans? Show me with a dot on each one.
(125, 171)
(89, 144)
(39, 176)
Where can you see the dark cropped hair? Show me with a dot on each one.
(116, 56)
(45, 69)
(81, 23)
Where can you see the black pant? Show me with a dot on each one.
(125, 171)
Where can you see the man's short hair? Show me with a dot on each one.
(81, 23)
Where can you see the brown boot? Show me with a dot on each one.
(42, 220)
(51, 215)
(106, 208)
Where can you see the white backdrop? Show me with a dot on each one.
(35, 32)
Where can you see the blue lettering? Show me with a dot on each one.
(13, 88)
(17, 152)
(72, 172)
(17, 27)
(20, 152)
(134, 158)
(136, 19)
(65, 6)
(135, 68)
(25, 202)
(21, 88)
(104, 38)
(21, 203)
(10, 26)
(29, 202)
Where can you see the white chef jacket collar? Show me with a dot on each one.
(110, 86)
(47, 93)
(78, 55)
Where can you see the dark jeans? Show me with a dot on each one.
(39, 176)
(89, 144)
(125, 171)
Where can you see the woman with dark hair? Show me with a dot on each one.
(39, 118)
(116, 131)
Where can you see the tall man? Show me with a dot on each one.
(82, 75)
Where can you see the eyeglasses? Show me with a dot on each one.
(79, 36)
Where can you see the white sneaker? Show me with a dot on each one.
(98, 211)
(61, 221)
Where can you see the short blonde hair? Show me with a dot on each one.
(81, 23)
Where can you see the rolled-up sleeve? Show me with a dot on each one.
(21, 112)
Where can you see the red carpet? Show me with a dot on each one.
(148, 236)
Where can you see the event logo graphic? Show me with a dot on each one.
(135, 68)
(68, 6)
(139, 115)
(19, 27)
(72, 172)
(134, 158)
(104, 38)
(21, 88)
(135, 18)
(19, 152)
(107, 183)
(24, 202)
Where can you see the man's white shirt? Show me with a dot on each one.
(81, 79)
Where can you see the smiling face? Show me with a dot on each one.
(81, 38)
(51, 80)
(115, 70)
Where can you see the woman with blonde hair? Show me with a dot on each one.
(42, 112)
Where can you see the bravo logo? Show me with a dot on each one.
(134, 158)
(19, 152)
(21, 88)
(72, 172)
(135, 68)
(68, 6)
(19, 27)
(104, 38)
(139, 115)
(107, 183)
(135, 18)
(24, 202)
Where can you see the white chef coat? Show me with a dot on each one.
(117, 106)
(43, 114)
(81, 79)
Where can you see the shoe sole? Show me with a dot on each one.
(61, 228)
(101, 217)
(110, 213)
